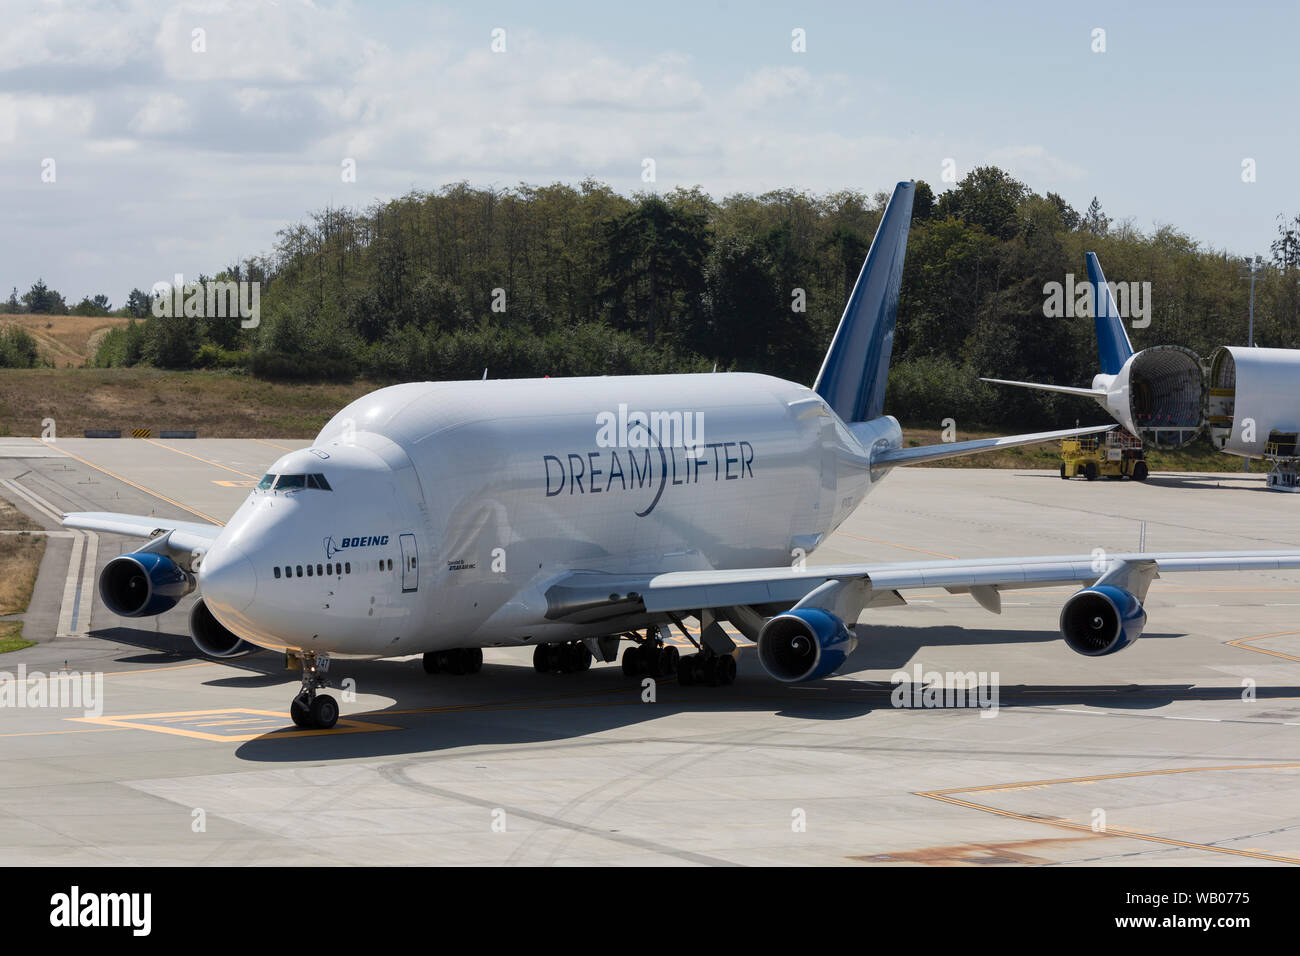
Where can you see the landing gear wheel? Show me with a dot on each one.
(542, 659)
(309, 710)
(1140, 471)
(324, 712)
(686, 670)
(725, 670)
(575, 658)
(632, 662)
(454, 660)
(666, 663)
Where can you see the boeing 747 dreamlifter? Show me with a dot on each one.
(572, 514)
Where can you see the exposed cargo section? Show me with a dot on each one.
(1167, 395)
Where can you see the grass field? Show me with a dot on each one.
(20, 557)
(216, 404)
(65, 339)
(11, 637)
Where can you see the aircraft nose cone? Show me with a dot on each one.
(227, 579)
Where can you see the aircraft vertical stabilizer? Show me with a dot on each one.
(853, 374)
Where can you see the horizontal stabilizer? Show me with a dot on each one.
(1063, 389)
(956, 449)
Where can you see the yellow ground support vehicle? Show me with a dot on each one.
(1115, 454)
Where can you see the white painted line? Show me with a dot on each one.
(66, 609)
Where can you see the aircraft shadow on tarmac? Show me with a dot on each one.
(161, 647)
(510, 704)
(1225, 481)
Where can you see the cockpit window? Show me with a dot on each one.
(266, 482)
(292, 482)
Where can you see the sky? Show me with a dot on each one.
(133, 148)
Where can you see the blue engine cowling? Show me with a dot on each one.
(143, 583)
(1102, 620)
(804, 644)
(212, 637)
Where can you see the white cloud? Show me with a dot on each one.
(161, 113)
(1035, 164)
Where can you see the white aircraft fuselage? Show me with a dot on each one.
(451, 506)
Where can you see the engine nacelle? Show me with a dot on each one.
(1101, 620)
(212, 637)
(143, 583)
(804, 644)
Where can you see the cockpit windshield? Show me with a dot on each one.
(294, 482)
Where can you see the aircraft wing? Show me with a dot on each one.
(589, 595)
(956, 449)
(185, 536)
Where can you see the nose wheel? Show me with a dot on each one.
(310, 710)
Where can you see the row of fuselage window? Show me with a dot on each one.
(323, 570)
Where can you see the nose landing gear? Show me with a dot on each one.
(309, 710)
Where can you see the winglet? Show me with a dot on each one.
(853, 374)
(1113, 348)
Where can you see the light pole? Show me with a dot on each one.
(1254, 269)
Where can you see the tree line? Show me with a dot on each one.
(581, 280)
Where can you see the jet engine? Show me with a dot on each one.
(143, 583)
(804, 644)
(212, 637)
(1101, 620)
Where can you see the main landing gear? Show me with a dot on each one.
(651, 657)
(455, 660)
(715, 670)
(571, 657)
(310, 710)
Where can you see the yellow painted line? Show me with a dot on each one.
(148, 491)
(1247, 644)
(263, 441)
(946, 796)
(53, 733)
(206, 461)
(142, 722)
(904, 547)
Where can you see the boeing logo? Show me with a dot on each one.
(651, 469)
(332, 549)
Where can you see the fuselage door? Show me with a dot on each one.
(410, 563)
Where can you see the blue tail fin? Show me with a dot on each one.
(852, 379)
(1113, 348)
